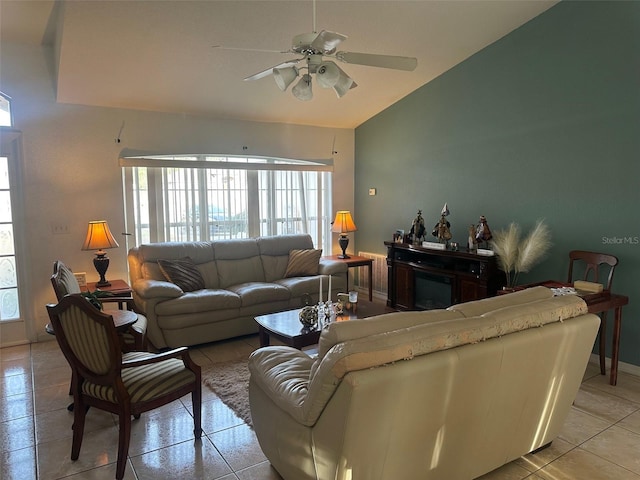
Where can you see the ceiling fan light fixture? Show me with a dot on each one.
(328, 74)
(302, 90)
(344, 84)
(284, 77)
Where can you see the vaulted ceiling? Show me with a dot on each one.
(159, 55)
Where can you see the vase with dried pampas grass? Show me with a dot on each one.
(516, 255)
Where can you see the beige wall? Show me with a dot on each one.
(71, 174)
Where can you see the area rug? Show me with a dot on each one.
(230, 382)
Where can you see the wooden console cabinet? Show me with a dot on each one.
(422, 278)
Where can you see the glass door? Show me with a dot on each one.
(13, 330)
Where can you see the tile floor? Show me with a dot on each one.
(601, 438)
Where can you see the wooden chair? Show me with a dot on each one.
(596, 265)
(64, 283)
(125, 384)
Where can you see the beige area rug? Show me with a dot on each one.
(230, 382)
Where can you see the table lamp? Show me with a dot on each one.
(99, 238)
(343, 224)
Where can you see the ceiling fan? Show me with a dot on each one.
(313, 48)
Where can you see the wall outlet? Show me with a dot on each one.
(59, 229)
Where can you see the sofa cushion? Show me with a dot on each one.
(274, 252)
(283, 244)
(207, 300)
(238, 262)
(253, 293)
(183, 272)
(199, 252)
(303, 263)
(236, 272)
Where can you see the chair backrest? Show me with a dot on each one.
(87, 338)
(63, 280)
(595, 265)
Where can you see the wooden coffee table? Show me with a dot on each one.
(286, 326)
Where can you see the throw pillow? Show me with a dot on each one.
(183, 272)
(303, 263)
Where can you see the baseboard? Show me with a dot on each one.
(622, 366)
(378, 297)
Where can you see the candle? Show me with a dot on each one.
(329, 292)
(320, 291)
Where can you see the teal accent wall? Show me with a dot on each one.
(542, 124)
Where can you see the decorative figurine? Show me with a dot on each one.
(472, 242)
(417, 232)
(483, 233)
(328, 312)
(442, 228)
(309, 316)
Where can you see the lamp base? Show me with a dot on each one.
(343, 241)
(101, 262)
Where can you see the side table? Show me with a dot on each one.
(120, 290)
(355, 261)
(598, 303)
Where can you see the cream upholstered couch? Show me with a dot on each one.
(240, 279)
(448, 394)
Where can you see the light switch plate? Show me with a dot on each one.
(372, 191)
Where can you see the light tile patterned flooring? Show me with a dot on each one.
(600, 440)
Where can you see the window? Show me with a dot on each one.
(5, 111)
(192, 198)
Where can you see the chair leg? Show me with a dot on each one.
(603, 342)
(196, 401)
(124, 437)
(79, 414)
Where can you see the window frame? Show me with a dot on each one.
(255, 167)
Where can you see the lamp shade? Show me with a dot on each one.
(302, 89)
(99, 236)
(328, 74)
(343, 222)
(285, 76)
(343, 85)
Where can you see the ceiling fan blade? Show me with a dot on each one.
(240, 49)
(269, 71)
(327, 41)
(384, 61)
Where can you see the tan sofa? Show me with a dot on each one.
(242, 278)
(445, 394)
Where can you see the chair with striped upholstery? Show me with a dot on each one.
(125, 384)
(64, 283)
